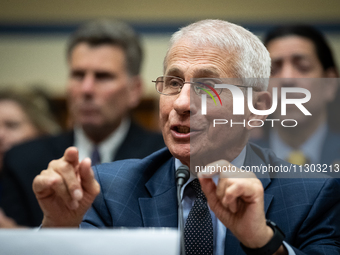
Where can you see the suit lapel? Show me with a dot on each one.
(330, 148)
(129, 142)
(160, 210)
(252, 159)
(232, 245)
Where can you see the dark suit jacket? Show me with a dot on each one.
(142, 193)
(24, 162)
(330, 147)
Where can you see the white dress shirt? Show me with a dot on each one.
(107, 149)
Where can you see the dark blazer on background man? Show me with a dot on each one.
(142, 193)
(25, 161)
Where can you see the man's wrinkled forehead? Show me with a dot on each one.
(196, 48)
(212, 62)
(206, 71)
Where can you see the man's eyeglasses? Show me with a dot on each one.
(171, 85)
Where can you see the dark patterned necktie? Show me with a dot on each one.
(198, 230)
(95, 156)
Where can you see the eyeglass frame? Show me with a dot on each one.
(191, 82)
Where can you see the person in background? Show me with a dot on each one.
(301, 57)
(104, 61)
(24, 115)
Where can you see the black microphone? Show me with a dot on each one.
(182, 176)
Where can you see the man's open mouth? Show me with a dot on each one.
(181, 129)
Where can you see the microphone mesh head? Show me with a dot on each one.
(183, 172)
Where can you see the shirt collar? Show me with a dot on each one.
(108, 148)
(311, 148)
(238, 162)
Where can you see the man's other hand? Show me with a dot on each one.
(238, 202)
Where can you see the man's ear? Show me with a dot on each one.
(262, 100)
(135, 91)
(332, 83)
(331, 73)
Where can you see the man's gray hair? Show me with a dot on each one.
(250, 56)
(111, 32)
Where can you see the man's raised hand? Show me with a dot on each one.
(66, 190)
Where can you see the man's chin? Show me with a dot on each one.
(181, 152)
(91, 126)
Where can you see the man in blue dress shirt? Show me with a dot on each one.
(142, 193)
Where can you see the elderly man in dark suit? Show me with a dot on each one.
(104, 60)
(242, 211)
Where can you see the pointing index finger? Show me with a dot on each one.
(71, 156)
(209, 188)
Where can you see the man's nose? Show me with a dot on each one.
(182, 102)
(288, 76)
(88, 83)
(288, 71)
